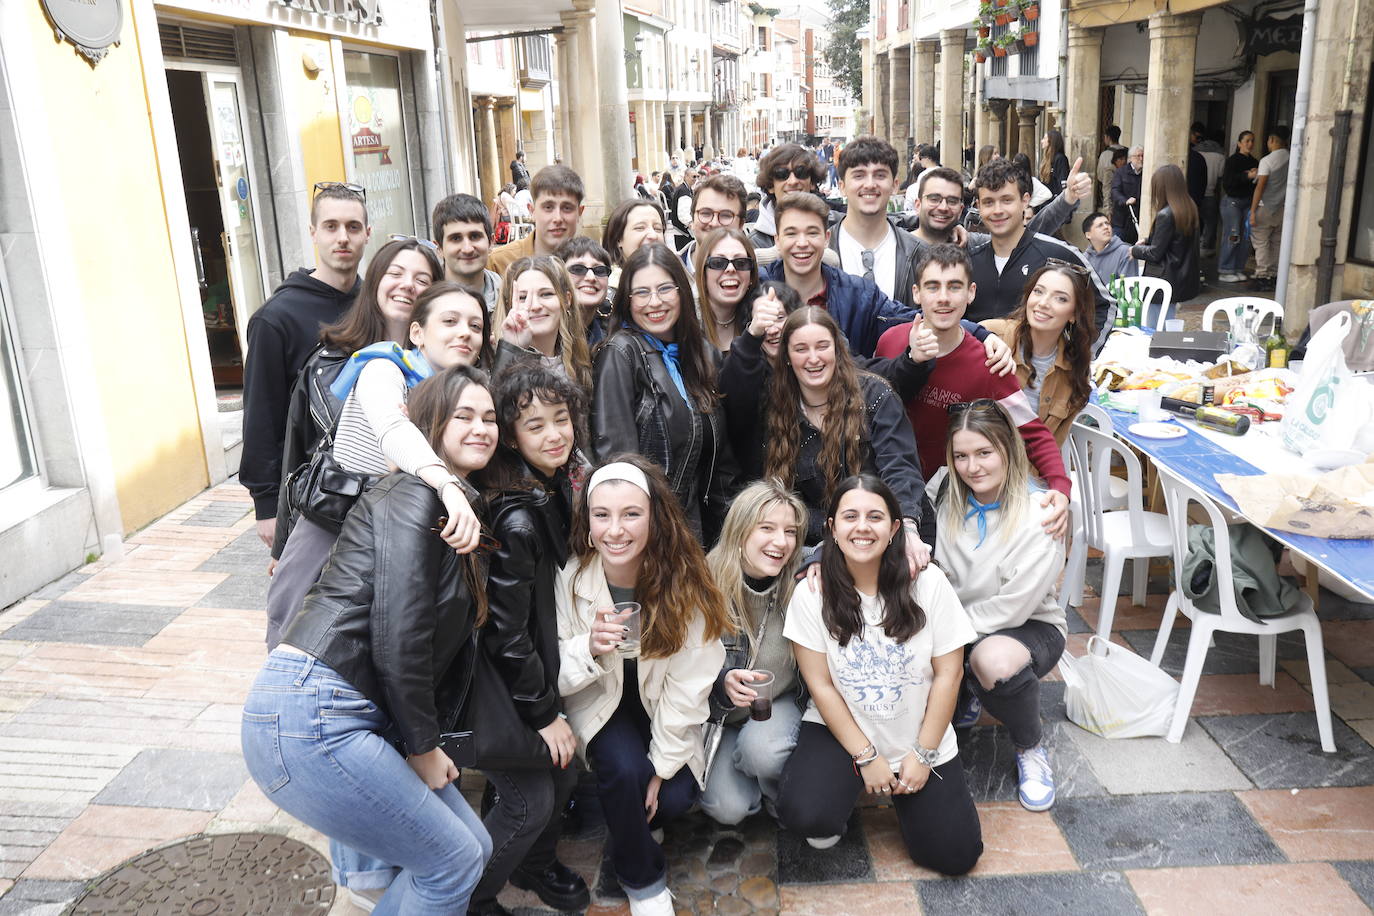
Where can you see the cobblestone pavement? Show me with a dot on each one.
(121, 687)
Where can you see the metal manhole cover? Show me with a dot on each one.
(222, 875)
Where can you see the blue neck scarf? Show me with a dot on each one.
(981, 510)
(412, 363)
(669, 353)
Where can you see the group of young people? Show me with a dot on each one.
(732, 535)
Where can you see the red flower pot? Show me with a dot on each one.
(999, 52)
(1030, 39)
(984, 31)
(1003, 18)
(980, 56)
(1031, 13)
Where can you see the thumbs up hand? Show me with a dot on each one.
(1079, 184)
(922, 345)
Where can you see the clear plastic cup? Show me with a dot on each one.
(1173, 324)
(761, 707)
(1147, 405)
(628, 613)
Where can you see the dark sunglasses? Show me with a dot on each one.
(1067, 265)
(719, 262)
(804, 172)
(341, 186)
(485, 542)
(581, 270)
(398, 237)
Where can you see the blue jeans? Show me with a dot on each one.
(1235, 235)
(748, 763)
(315, 745)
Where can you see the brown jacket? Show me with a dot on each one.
(1055, 387)
(506, 255)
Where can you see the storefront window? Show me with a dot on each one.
(1362, 233)
(377, 133)
(16, 451)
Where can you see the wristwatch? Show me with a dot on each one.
(927, 755)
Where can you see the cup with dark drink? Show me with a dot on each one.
(761, 707)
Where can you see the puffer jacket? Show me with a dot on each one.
(636, 408)
(392, 611)
(675, 691)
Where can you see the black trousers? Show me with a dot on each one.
(525, 823)
(1015, 701)
(819, 789)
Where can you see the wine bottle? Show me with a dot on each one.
(1276, 347)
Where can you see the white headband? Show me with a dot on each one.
(620, 470)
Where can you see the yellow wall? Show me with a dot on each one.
(101, 144)
(316, 108)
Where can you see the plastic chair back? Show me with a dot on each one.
(1150, 288)
(1093, 454)
(1268, 308)
(1178, 495)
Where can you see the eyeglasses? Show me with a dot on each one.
(398, 237)
(721, 217)
(581, 270)
(719, 262)
(666, 292)
(341, 186)
(782, 172)
(935, 200)
(1067, 265)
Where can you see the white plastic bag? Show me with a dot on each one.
(1312, 419)
(1117, 694)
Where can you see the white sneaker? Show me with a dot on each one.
(660, 904)
(1036, 778)
(822, 842)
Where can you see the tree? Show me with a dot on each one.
(842, 52)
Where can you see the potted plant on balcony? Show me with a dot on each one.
(980, 50)
(986, 14)
(1030, 11)
(1002, 17)
(1001, 43)
(1029, 37)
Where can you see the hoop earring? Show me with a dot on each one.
(590, 545)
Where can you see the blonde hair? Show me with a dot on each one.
(726, 558)
(572, 339)
(993, 423)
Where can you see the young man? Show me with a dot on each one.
(785, 169)
(519, 172)
(285, 331)
(1266, 208)
(944, 288)
(870, 245)
(1108, 255)
(1126, 196)
(557, 193)
(1013, 251)
(680, 207)
(940, 208)
(716, 202)
(1111, 141)
(462, 227)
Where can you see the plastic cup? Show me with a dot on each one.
(1147, 405)
(1173, 324)
(761, 707)
(628, 613)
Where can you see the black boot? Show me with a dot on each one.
(556, 884)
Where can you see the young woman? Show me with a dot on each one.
(343, 728)
(631, 225)
(754, 564)
(1238, 190)
(655, 388)
(538, 313)
(1051, 335)
(726, 277)
(589, 265)
(1003, 566)
(637, 711)
(1054, 163)
(882, 657)
(1171, 250)
(528, 488)
(446, 323)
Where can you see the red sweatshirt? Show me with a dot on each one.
(960, 377)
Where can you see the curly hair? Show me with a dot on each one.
(674, 584)
(514, 389)
(845, 434)
(1079, 333)
(572, 334)
(791, 155)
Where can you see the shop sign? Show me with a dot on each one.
(1267, 35)
(363, 12)
(395, 23)
(92, 26)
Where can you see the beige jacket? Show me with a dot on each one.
(1055, 388)
(675, 690)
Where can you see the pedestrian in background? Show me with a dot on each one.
(519, 172)
(1238, 190)
(1266, 207)
(1171, 250)
(1054, 164)
(1126, 196)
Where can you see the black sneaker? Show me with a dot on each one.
(607, 884)
(557, 885)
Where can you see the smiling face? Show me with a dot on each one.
(811, 354)
(654, 301)
(643, 227)
(866, 188)
(555, 217)
(862, 527)
(406, 277)
(618, 524)
(452, 332)
(801, 239)
(464, 248)
(771, 544)
(1050, 305)
(714, 209)
(1003, 210)
(727, 286)
(943, 294)
(589, 288)
(795, 177)
(940, 205)
(544, 436)
(470, 435)
(534, 294)
(979, 464)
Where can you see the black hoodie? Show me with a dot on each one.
(281, 336)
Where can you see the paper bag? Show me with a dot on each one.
(1338, 504)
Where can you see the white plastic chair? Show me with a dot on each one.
(1123, 534)
(1115, 498)
(1150, 287)
(1178, 494)
(1268, 308)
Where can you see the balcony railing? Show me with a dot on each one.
(536, 61)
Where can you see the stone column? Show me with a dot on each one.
(586, 117)
(997, 124)
(881, 101)
(1026, 140)
(1173, 54)
(567, 95)
(489, 163)
(923, 91)
(659, 154)
(611, 94)
(681, 125)
(899, 105)
(1081, 137)
(952, 97)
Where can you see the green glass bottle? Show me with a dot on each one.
(1276, 347)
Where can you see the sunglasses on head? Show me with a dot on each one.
(398, 237)
(341, 186)
(982, 405)
(581, 270)
(1067, 265)
(720, 262)
(782, 172)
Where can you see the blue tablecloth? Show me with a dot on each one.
(1197, 459)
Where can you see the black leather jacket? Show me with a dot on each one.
(312, 412)
(637, 408)
(521, 635)
(392, 612)
(1170, 254)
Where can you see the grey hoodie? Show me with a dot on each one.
(1114, 259)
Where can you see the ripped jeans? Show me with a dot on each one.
(1014, 699)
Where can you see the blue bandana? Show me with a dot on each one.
(669, 353)
(981, 511)
(412, 364)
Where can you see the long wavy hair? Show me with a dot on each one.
(841, 612)
(745, 308)
(698, 369)
(364, 324)
(1056, 149)
(424, 304)
(674, 584)
(1168, 188)
(845, 425)
(1078, 337)
(994, 424)
(726, 559)
(572, 333)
